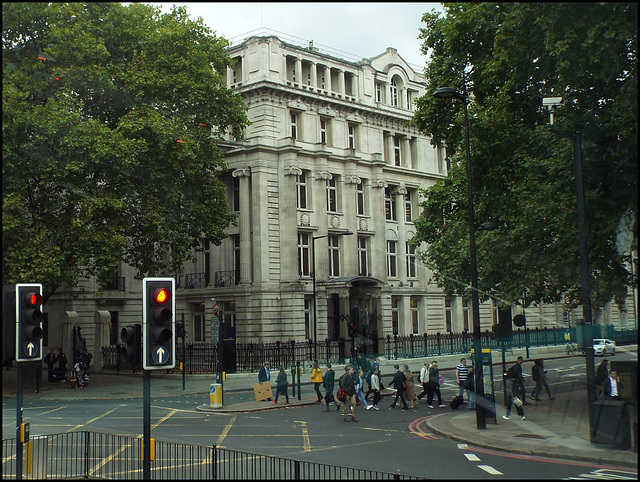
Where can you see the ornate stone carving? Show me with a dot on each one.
(305, 219)
(243, 172)
(292, 171)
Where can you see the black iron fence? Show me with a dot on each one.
(92, 455)
(249, 357)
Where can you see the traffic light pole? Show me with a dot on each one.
(146, 425)
(18, 421)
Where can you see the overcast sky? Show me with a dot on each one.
(349, 30)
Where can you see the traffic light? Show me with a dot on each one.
(158, 324)
(130, 352)
(28, 322)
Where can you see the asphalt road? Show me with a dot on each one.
(387, 440)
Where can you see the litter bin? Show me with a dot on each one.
(37, 455)
(611, 424)
(215, 395)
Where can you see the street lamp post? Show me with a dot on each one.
(313, 276)
(481, 423)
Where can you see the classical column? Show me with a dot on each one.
(399, 193)
(298, 72)
(327, 79)
(245, 224)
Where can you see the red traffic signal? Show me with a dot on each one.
(28, 322)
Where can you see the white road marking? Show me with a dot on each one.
(490, 470)
(472, 457)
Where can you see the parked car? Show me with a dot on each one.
(604, 346)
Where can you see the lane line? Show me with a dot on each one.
(490, 470)
(227, 427)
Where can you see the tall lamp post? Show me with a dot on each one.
(481, 422)
(313, 275)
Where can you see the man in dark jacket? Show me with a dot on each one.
(398, 383)
(328, 382)
(347, 383)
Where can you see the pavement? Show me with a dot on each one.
(557, 428)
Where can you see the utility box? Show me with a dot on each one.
(215, 395)
(262, 391)
(611, 424)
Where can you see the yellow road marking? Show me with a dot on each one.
(224, 433)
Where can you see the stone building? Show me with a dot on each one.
(329, 163)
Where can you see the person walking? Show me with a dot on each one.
(316, 378)
(375, 365)
(409, 392)
(347, 383)
(434, 385)
(264, 375)
(424, 380)
(375, 387)
(359, 389)
(328, 383)
(462, 371)
(282, 386)
(399, 380)
(539, 375)
(515, 389)
(602, 373)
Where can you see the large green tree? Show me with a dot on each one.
(511, 56)
(112, 117)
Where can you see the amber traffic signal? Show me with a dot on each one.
(158, 324)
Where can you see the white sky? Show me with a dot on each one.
(352, 31)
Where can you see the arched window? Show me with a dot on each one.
(394, 92)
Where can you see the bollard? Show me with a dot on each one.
(215, 395)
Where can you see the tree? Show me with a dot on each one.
(112, 120)
(512, 56)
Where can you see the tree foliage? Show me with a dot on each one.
(511, 56)
(112, 117)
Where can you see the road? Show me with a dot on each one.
(387, 440)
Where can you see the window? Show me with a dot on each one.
(413, 305)
(379, 92)
(334, 255)
(394, 93)
(308, 307)
(448, 313)
(304, 254)
(294, 125)
(332, 195)
(407, 206)
(324, 131)
(198, 327)
(360, 205)
(397, 158)
(392, 259)
(395, 314)
(389, 204)
(363, 256)
(411, 261)
(465, 313)
(351, 136)
(301, 186)
(236, 255)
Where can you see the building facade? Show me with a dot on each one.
(326, 185)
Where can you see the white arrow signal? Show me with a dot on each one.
(160, 354)
(31, 349)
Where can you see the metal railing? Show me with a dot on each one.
(93, 455)
(203, 357)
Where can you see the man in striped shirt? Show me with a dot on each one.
(462, 371)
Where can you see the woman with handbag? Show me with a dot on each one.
(434, 385)
(282, 386)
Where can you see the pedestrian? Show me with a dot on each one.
(328, 382)
(462, 371)
(515, 389)
(62, 365)
(359, 389)
(282, 386)
(399, 382)
(424, 380)
(471, 389)
(346, 382)
(602, 373)
(375, 387)
(50, 361)
(539, 375)
(375, 365)
(434, 385)
(316, 378)
(264, 375)
(409, 392)
(612, 386)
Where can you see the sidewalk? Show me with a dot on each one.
(553, 428)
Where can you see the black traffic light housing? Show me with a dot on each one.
(158, 324)
(28, 322)
(130, 352)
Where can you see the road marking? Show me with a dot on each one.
(472, 457)
(169, 415)
(490, 470)
(94, 419)
(227, 427)
(306, 443)
(51, 411)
